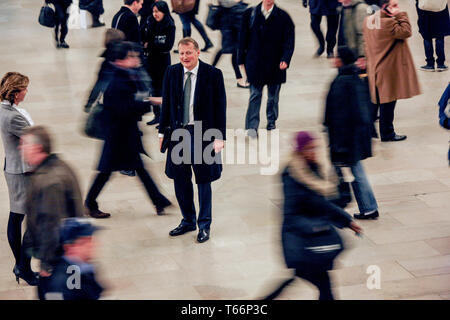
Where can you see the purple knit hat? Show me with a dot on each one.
(302, 138)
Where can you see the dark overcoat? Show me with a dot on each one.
(230, 26)
(433, 24)
(323, 7)
(209, 108)
(347, 118)
(123, 144)
(264, 44)
(128, 24)
(301, 202)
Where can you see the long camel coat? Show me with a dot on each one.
(390, 66)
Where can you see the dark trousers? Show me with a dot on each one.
(254, 105)
(61, 22)
(332, 27)
(429, 51)
(188, 18)
(320, 279)
(18, 247)
(386, 121)
(234, 62)
(102, 177)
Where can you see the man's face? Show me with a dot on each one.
(30, 149)
(136, 6)
(83, 248)
(268, 3)
(309, 151)
(188, 55)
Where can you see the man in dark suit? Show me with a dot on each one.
(126, 20)
(194, 103)
(265, 49)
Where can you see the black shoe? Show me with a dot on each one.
(241, 86)
(271, 126)
(57, 44)
(154, 121)
(362, 216)
(176, 51)
(441, 67)
(32, 278)
(130, 173)
(97, 24)
(429, 68)
(396, 137)
(319, 51)
(207, 46)
(160, 208)
(96, 214)
(64, 45)
(330, 55)
(252, 133)
(203, 235)
(181, 229)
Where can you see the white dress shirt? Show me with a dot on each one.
(194, 73)
(265, 13)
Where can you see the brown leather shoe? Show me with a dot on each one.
(97, 214)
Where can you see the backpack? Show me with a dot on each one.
(432, 5)
(183, 6)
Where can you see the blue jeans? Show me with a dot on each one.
(254, 105)
(361, 188)
(429, 51)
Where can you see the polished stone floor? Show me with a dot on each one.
(410, 243)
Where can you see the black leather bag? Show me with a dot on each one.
(47, 17)
(213, 18)
(97, 122)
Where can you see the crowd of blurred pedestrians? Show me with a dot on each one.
(137, 76)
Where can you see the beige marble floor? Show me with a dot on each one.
(410, 243)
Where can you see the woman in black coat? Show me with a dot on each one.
(61, 7)
(123, 143)
(307, 214)
(230, 25)
(158, 36)
(434, 25)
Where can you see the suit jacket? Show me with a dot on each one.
(128, 24)
(12, 122)
(209, 107)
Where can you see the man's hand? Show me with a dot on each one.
(305, 3)
(283, 65)
(355, 227)
(155, 100)
(361, 63)
(218, 145)
(44, 273)
(160, 142)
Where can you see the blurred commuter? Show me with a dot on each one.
(13, 120)
(62, 15)
(146, 11)
(390, 67)
(123, 144)
(95, 8)
(434, 25)
(349, 124)
(266, 46)
(112, 36)
(189, 18)
(318, 9)
(158, 36)
(73, 276)
(54, 194)
(310, 242)
(126, 20)
(444, 112)
(230, 27)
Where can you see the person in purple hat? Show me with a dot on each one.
(310, 242)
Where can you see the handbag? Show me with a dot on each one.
(213, 18)
(432, 5)
(97, 122)
(182, 6)
(321, 243)
(47, 16)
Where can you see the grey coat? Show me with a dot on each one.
(12, 122)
